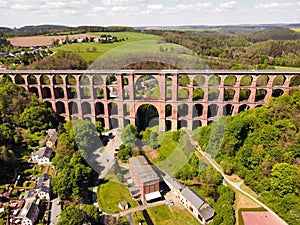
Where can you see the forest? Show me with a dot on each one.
(262, 146)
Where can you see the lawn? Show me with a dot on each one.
(162, 214)
(110, 194)
(286, 68)
(295, 29)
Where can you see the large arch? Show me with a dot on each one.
(147, 116)
(147, 87)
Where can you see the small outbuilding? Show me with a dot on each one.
(123, 205)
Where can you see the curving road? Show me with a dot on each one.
(233, 184)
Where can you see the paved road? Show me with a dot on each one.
(233, 184)
(54, 212)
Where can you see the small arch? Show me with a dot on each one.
(183, 93)
(213, 94)
(196, 124)
(183, 80)
(243, 107)
(31, 79)
(198, 94)
(169, 94)
(98, 93)
(214, 80)
(60, 107)
(111, 79)
(168, 110)
(125, 94)
(228, 110)
(97, 80)
(197, 110)
(73, 108)
(199, 80)
(262, 81)
(34, 90)
(279, 80)
(126, 110)
(44, 80)
(147, 87)
(230, 80)
(70, 80)
(125, 81)
(277, 92)
(212, 110)
(59, 93)
(71, 92)
(295, 81)
(113, 108)
(86, 108)
(181, 124)
(168, 125)
(229, 94)
(46, 92)
(246, 80)
(244, 94)
(183, 110)
(49, 104)
(126, 122)
(85, 93)
(7, 77)
(99, 108)
(114, 123)
(57, 80)
(84, 80)
(168, 81)
(101, 120)
(19, 79)
(258, 106)
(260, 94)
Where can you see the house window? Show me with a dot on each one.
(191, 209)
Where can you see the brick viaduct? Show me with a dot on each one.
(186, 98)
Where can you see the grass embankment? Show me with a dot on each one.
(110, 194)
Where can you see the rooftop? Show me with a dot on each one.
(192, 197)
(44, 152)
(175, 184)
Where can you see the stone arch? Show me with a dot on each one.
(168, 125)
(70, 80)
(46, 92)
(86, 108)
(60, 108)
(295, 81)
(182, 123)
(277, 92)
(71, 92)
(183, 93)
(246, 80)
(101, 120)
(34, 90)
(228, 110)
(48, 104)
(230, 80)
(98, 93)
(196, 124)
(59, 92)
(85, 92)
(7, 77)
(126, 94)
(73, 108)
(125, 81)
(183, 110)
(44, 80)
(169, 94)
(97, 80)
(243, 107)
(260, 94)
(99, 108)
(31, 79)
(258, 106)
(147, 87)
(262, 80)
(126, 110)
(57, 80)
(113, 108)
(213, 94)
(198, 94)
(147, 115)
(278, 80)
(244, 94)
(111, 79)
(84, 80)
(183, 80)
(19, 79)
(214, 80)
(168, 110)
(229, 94)
(212, 110)
(126, 122)
(199, 80)
(197, 110)
(114, 123)
(169, 80)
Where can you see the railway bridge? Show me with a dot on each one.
(178, 98)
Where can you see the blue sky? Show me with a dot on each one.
(16, 13)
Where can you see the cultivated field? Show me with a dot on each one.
(43, 40)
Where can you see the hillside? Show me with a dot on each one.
(274, 33)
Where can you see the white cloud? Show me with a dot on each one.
(3, 3)
(276, 6)
(124, 9)
(121, 2)
(227, 6)
(155, 7)
(97, 9)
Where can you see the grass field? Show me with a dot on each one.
(295, 29)
(286, 68)
(110, 194)
(164, 215)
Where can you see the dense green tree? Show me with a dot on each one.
(129, 135)
(124, 152)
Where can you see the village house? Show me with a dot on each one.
(174, 185)
(42, 189)
(30, 214)
(53, 136)
(42, 156)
